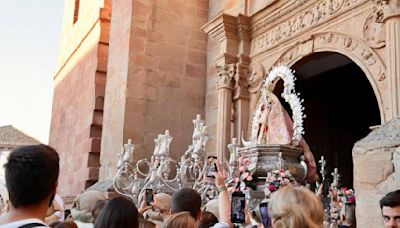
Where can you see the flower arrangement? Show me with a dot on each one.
(346, 196)
(244, 178)
(276, 179)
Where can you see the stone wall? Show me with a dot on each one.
(376, 171)
(156, 76)
(79, 95)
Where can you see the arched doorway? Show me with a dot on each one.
(340, 105)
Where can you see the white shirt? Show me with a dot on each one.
(19, 223)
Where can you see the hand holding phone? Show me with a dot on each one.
(212, 168)
(238, 205)
(266, 221)
(149, 197)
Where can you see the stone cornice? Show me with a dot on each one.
(260, 25)
(243, 27)
(221, 27)
(319, 12)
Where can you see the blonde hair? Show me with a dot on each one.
(143, 223)
(296, 207)
(181, 220)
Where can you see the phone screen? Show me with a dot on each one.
(212, 168)
(264, 215)
(149, 196)
(238, 208)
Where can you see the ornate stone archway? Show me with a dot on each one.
(360, 53)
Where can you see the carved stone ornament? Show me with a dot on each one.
(358, 51)
(241, 84)
(317, 13)
(226, 75)
(374, 31)
(256, 76)
(386, 9)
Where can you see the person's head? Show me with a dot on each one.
(84, 205)
(181, 220)
(187, 199)
(143, 223)
(212, 206)
(97, 208)
(67, 224)
(208, 219)
(164, 203)
(390, 206)
(295, 207)
(31, 175)
(119, 212)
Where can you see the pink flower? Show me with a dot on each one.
(283, 174)
(236, 180)
(352, 199)
(249, 178)
(271, 187)
(241, 168)
(347, 192)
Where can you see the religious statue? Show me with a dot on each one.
(126, 154)
(200, 142)
(276, 127)
(336, 176)
(164, 141)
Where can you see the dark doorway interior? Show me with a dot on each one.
(340, 106)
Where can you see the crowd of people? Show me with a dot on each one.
(31, 178)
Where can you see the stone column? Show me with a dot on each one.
(241, 101)
(225, 86)
(391, 18)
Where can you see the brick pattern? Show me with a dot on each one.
(165, 76)
(78, 102)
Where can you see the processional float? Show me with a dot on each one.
(261, 161)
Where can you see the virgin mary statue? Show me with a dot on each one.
(276, 127)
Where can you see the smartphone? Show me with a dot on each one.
(149, 197)
(238, 204)
(212, 168)
(266, 221)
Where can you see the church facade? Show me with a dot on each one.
(130, 69)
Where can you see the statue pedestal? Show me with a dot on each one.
(268, 156)
(268, 160)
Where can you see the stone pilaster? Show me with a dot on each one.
(391, 18)
(241, 101)
(226, 75)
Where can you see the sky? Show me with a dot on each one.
(30, 34)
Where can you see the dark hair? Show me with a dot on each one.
(67, 224)
(392, 199)
(97, 208)
(186, 199)
(208, 219)
(119, 212)
(31, 174)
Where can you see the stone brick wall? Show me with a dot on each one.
(376, 171)
(79, 95)
(156, 76)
